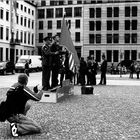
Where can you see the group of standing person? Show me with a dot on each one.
(55, 60)
(88, 70)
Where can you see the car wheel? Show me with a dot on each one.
(4, 72)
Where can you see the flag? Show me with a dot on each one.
(15, 6)
(66, 41)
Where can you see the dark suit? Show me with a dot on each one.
(46, 66)
(103, 72)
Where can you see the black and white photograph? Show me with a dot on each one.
(69, 69)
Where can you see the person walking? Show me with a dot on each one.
(132, 69)
(27, 68)
(16, 107)
(103, 71)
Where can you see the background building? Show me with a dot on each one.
(109, 27)
(17, 29)
(98, 27)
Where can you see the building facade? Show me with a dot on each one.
(98, 27)
(17, 29)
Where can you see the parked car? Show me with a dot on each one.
(6, 67)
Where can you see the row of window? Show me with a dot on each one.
(113, 38)
(2, 14)
(24, 8)
(59, 12)
(27, 36)
(113, 25)
(25, 22)
(18, 52)
(93, 12)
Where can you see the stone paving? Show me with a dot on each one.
(111, 113)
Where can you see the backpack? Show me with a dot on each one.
(4, 110)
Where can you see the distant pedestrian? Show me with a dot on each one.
(137, 69)
(103, 71)
(27, 68)
(82, 71)
(132, 68)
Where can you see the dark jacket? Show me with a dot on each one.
(104, 66)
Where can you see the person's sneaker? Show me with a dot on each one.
(14, 130)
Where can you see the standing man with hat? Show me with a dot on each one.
(47, 62)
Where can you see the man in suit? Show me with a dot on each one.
(103, 71)
(47, 62)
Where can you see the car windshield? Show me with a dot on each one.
(22, 60)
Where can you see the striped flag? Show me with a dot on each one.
(66, 41)
(71, 62)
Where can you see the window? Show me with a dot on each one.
(116, 11)
(25, 9)
(32, 12)
(109, 56)
(98, 12)
(134, 24)
(7, 33)
(50, 13)
(58, 24)
(127, 38)
(77, 11)
(7, 1)
(25, 20)
(1, 54)
(28, 37)
(70, 2)
(134, 11)
(127, 11)
(25, 37)
(28, 11)
(17, 5)
(98, 25)
(32, 39)
(21, 7)
(98, 55)
(91, 25)
(134, 38)
(21, 20)
(21, 52)
(109, 11)
(91, 38)
(7, 15)
(109, 25)
(77, 25)
(49, 24)
(32, 24)
(127, 24)
(40, 37)
(59, 12)
(7, 53)
(98, 38)
(21, 36)
(116, 38)
(109, 38)
(17, 17)
(91, 12)
(40, 25)
(68, 22)
(17, 34)
(116, 25)
(79, 1)
(77, 37)
(1, 13)
(1, 32)
(68, 12)
(41, 13)
(115, 55)
(43, 3)
(29, 22)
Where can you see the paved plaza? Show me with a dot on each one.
(111, 113)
